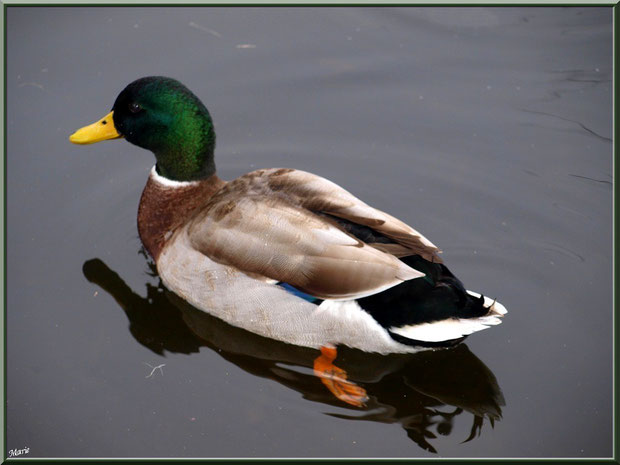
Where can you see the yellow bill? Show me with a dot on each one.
(101, 130)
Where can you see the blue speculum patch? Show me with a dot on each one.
(298, 293)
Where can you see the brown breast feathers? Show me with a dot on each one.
(164, 208)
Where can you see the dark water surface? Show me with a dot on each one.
(488, 129)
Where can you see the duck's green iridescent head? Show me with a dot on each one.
(161, 115)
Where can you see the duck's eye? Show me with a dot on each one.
(134, 107)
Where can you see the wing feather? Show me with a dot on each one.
(271, 223)
(321, 195)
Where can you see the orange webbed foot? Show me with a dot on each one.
(335, 379)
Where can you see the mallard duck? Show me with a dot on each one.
(280, 252)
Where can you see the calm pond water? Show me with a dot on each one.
(488, 129)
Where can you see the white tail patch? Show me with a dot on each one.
(493, 305)
(453, 328)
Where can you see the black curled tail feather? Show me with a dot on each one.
(437, 296)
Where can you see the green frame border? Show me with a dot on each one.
(3, 324)
(316, 3)
(615, 225)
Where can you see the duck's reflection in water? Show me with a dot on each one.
(424, 392)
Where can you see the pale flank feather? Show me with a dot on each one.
(267, 309)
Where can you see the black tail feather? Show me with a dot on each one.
(438, 296)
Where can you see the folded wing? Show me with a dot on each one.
(286, 225)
